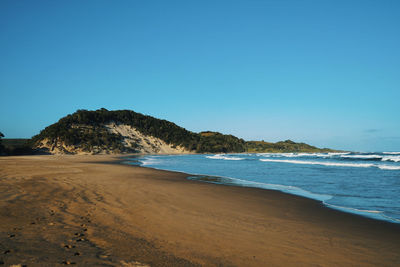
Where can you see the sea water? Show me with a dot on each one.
(367, 184)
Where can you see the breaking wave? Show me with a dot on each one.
(364, 165)
(224, 157)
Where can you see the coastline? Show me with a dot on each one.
(298, 190)
(161, 218)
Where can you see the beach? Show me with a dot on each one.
(94, 211)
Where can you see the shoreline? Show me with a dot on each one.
(358, 212)
(160, 218)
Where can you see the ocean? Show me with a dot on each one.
(366, 184)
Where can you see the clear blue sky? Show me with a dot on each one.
(322, 72)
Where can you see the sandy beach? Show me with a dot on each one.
(92, 211)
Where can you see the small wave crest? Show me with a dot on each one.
(354, 209)
(149, 161)
(293, 155)
(364, 165)
(357, 165)
(300, 155)
(376, 214)
(391, 158)
(388, 167)
(362, 157)
(224, 157)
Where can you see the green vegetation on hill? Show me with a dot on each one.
(86, 130)
(282, 146)
(217, 142)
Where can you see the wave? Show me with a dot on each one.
(391, 158)
(376, 214)
(354, 209)
(218, 156)
(360, 156)
(391, 153)
(340, 156)
(294, 155)
(149, 161)
(359, 165)
(388, 167)
(289, 155)
(364, 165)
(394, 158)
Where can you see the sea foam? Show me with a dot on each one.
(388, 167)
(391, 158)
(222, 156)
(360, 156)
(364, 165)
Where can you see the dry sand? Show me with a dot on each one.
(58, 210)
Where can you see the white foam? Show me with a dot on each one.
(361, 156)
(358, 165)
(391, 158)
(392, 153)
(354, 210)
(294, 155)
(388, 167)
(323, 155)
(338, 153)
(376, 214)
(222, 156)
(364, 165)
(291, 155)
(149, 161)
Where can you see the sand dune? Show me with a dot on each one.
(61, 210)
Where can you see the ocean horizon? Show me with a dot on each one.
(362, 183)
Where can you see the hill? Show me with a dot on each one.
(283, 147)
(126, 131)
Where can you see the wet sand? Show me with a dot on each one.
(62, 210)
